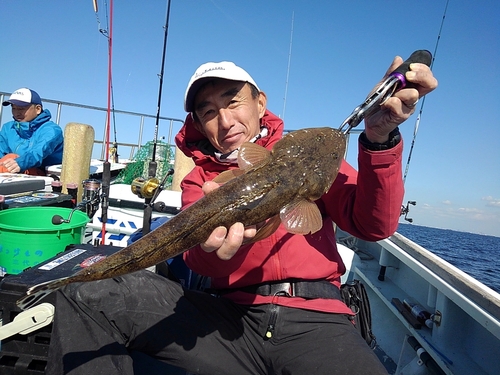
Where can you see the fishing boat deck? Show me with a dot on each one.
(469, 326)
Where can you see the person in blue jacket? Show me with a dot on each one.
(31, 141)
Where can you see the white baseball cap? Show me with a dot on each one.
(224, 69)
(23, 97)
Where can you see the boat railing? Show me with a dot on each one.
(66, 110)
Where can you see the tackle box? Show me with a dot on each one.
(39, 198)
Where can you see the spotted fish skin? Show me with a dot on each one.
(301, 168)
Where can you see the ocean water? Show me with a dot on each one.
(476, 254)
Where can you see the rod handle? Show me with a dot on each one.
(420, 56)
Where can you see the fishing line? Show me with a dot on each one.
(96, 11)
(288, 68)
(417, 122)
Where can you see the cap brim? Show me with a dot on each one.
(193, 89)
(16, 102)
(196, 85)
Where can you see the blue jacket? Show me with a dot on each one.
(39, 143)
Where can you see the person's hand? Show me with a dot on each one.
(226, 243)
(11, 165)
(399, 107)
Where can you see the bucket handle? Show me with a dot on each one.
(73, 231)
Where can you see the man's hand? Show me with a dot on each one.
(226, 243)
(399, 107)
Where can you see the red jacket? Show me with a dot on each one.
(366, 204)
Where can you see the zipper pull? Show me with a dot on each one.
(272, 322)
(269, 331)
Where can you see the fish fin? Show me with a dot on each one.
(266, 230)
(227, 176)
(252, 156)
(301, 217)
(40, 291)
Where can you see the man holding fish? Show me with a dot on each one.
(274, 306)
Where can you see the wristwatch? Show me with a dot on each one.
(394, 139)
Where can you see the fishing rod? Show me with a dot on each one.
(148, 199)
(372, 104)
(417, 122)
(106, 174)
(406, 209)
(114, 149)
(393, 83)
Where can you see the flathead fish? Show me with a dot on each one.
(280, 185)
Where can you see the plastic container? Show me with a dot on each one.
(28, 237)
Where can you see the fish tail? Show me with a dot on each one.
(40, 291)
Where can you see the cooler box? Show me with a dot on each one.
(39, 198)
(126, 212)
(14, 183)
(27, 354)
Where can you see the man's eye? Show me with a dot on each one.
(208, 113)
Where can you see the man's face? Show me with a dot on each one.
(228, 114)
(26, 113)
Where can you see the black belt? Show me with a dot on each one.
(294, 288)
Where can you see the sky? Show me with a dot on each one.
(316, 61)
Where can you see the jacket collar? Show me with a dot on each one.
(26, 129)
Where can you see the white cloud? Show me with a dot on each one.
(468, 210)
(480, 219)
(491, 202)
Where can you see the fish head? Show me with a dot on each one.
(316, 154)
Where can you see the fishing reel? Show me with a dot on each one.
(406, 210)
(91, 198)
(145, 188)
(150, 189)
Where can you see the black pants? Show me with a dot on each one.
(138, 323)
